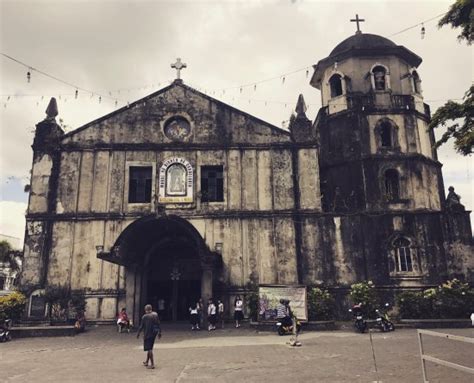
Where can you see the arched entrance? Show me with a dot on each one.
(172, 277)
(166, 261)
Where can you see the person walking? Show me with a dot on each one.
(211, 314)
(238, 311)
(220, 312)
(150, 325)
(194, 317)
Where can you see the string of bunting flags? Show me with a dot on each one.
(112, 95)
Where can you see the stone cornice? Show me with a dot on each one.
(185, 147)
(235, 214)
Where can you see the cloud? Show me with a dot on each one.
(12, 218)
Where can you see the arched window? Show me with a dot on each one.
(416, 82)
(386, 140)
(403, 256)
(335, 83)
(392, 188)
(380, 77)
(176, 176)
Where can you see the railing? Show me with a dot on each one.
(359, 101)
(403, 101)
(441, 362)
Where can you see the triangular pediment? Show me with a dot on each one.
(146, 121)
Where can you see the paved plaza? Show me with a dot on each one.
(231, 355)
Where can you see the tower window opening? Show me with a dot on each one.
(386, 135)
(139, 185)
(335, 83)
(416, 82)
(380, 80)
(403, 256)
(392, 188)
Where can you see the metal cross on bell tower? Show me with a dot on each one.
(357, 21)
(178, 65)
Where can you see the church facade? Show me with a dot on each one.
(179, 196)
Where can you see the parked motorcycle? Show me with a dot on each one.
(360, 323)
(287, 330)
(383, 321)
(5, 330)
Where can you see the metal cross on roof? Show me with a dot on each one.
(178, 65)
(357, 21)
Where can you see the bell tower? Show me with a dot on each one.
(376, 152)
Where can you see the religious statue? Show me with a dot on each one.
(379, 79)
(453, 201)
(176, 180)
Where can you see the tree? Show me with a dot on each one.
(5, 249)
(460, 15)
(461, 132)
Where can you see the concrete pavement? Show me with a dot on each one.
(231, 355)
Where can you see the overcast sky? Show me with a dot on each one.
(106, 46)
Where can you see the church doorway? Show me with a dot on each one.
(173, 280)
(167, 264)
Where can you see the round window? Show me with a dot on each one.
(177, 128)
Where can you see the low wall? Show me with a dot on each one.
(42, 331)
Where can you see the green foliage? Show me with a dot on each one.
(252, 301)
(413, 305)
(12, 306)
(364, 293)
(460, 119)
(62, 301)
(452, 299)
(460, 15)
(321, 304)
(5, 249)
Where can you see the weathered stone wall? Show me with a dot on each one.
(357, 68)
(351, 161)
(142, 122)
(270, 224)
(341, 250)
(254, 222)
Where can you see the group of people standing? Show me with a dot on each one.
(215, 314)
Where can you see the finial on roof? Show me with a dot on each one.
(52, 109)
(300, 107)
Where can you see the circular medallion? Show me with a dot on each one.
(177, 128)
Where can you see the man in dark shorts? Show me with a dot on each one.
(150, 325)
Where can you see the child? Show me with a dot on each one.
(211, 315)
(220, 312)
(123, 322)
(238, 313)
(194, 318)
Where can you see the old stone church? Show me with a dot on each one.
(179, 195)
